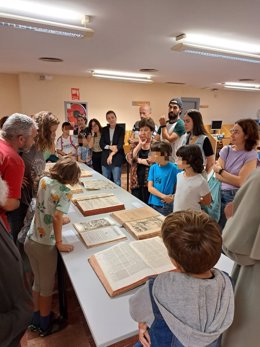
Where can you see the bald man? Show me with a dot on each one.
(145, 111)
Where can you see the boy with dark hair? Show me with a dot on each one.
(162, 178)
(66, 144)
(194, 304)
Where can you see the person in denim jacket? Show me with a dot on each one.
(194, 304)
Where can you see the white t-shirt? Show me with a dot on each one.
(189, 190)
(67, 145)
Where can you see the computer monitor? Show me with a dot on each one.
(216, 125)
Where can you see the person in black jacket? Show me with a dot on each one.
(15, 304)
(112, 142)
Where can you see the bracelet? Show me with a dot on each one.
(58, 242)
(220, 171)
(163, 126)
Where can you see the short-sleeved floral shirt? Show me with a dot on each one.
(52, 195)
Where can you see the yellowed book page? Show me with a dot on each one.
(76, 188)
(134, 214)
(98, 202)
(103, 235)
(98, 184)
(154, 254)
(144, 228)
(86, 173)
(121, 266)
(82, 227)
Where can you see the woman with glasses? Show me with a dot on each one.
(237, 161)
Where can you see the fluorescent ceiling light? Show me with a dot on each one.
(242, 86)
(208, 48)
(125, 76)
(43, 26)
(35, 9)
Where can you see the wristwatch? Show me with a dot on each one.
(220, 171)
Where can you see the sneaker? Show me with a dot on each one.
(33, 327)
(55, 326)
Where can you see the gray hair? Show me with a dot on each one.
(16, 125)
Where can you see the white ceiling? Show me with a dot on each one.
(134, 34)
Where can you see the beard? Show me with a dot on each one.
(172, 117)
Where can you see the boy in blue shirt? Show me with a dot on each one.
(162, 178)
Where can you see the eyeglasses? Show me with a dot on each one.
(234, 131)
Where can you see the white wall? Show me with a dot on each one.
(26, 93)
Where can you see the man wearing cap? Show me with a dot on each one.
(81, 129)
(173, 129)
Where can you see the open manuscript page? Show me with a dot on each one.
(98, 184)
(98, 232)
(100, 203)
(126, 265)
(141, 222)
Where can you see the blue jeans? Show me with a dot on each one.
(113, 173)
(165, 210)
(226, 197)
(160, 334)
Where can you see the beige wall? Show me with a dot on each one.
(26, 93)
(9, 94)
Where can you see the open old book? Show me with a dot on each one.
(76, 188)
(142, 223)
(86, 173)
(96, 204)
(98, 231)
(98, 184)
(129, 264)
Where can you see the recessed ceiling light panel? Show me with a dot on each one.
(211, 47)
(120, 75)
(43, 26)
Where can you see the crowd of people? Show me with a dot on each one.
(170, 166)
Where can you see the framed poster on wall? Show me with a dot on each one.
(75, 109)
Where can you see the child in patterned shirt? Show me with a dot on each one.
(45, 238)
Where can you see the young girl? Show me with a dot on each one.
(84, 151)
(192, 189)
(45, 238)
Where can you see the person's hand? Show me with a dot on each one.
(110, 159)
(150, 160)
(142, 141)
(162, 120)
(25, 182)
(216, 168)
(113, 148)
(65, 220)
(143, 334)
(229, 210)
(168, 199)
(64, 247)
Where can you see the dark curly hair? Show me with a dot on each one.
(192, 155)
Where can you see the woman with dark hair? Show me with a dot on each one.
(236, 162)
(112, 142)
(197, 134)
(192, 189)
(95, 130)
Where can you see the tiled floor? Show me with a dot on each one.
(77, 333)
